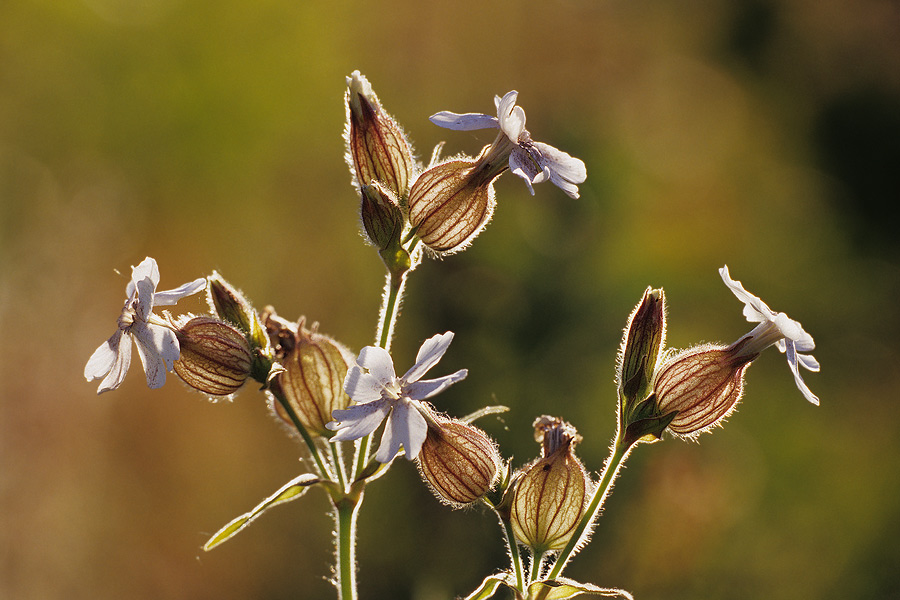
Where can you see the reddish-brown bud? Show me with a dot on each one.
(644, 338)
(215, 357)
(450, 203)
(550, 496)
(459, 461)
(377, 149)
(702, 384)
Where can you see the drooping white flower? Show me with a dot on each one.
(532, 161)
(774, 329)
(379, 394)
(156, 342)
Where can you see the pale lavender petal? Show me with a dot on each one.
(521, 164)
(147, 269)
(801, 385)
(808, 362)
(110, 361)
(158, 349)
(755, 310)
(405, 426)
(358, 420)
(429, 354)
(562, 163)
(170, 297)
(512, 117)
(361, 386)
(464, 122)
(378, 362)
(427, 388)
(144, 306)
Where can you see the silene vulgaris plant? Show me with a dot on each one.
(357, 417)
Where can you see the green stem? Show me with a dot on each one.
(346, 511)
(537, 561)
(390, 308)
(514, 555)
(616, 458)
(313, 449)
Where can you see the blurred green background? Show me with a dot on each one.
(759, 133)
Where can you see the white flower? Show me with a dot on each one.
(380, 394)
(532, 161)
(155, 339)
(774, 328)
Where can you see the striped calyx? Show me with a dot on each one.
(215, 357)
(459, 462)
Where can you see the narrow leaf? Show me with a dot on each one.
(562, 589)
(489, 587)
(290, 491)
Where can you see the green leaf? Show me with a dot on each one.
(563, 588)
(290, 491)
(489, 586)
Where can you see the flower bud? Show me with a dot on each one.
(313, 377)
(450, 203)
(644, 337)
(381, 216)
(550, 497)
(233, 307)
(377, 149)
(701, 385)
(459, 462)
(215, 357)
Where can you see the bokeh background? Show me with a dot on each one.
(764, 134)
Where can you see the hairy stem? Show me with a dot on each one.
(346, 511)
(616, 459)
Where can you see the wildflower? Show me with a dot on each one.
(156, 341)
(379, 394)
(702, 385)
(774, 328)
(532, 161)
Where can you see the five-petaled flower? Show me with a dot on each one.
(532, 161)
(774, 328)
(156, 342)
(379, 394)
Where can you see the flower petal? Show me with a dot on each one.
(170, 297)
(361, 386)
(359, 420)
(801, 385)
(512, 117)
(378, 362)
(421, 390)
(522, 164)
(429, 354)
(465, 121)
(755, 310)
(565, 171)
(110, 361)
(147, 269)
(405, 426)
(158, 349)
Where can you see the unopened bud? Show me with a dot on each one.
(459, 462)
(701, 386)
(233, 307)
(550, 497)
(450, 203)
(377, 149)
(381, 216)
(313, 377)
(215, 357)
(641, 345)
